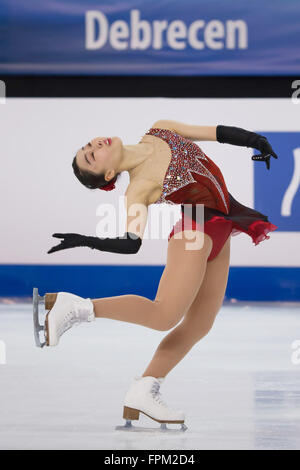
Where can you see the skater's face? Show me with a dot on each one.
(100, 156)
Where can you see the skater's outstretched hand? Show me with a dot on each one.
(238, 136)
(70, 240)
(129, 243)
(264, 146)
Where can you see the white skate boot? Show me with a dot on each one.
(144, 397)
(68, 310)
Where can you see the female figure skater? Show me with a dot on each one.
(165, 166)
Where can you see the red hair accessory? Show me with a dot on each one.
(110, 186)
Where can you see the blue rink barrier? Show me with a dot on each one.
(244, 283)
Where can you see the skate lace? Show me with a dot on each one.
(72, 318)
(156, 394)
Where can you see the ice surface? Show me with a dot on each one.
(238, 386)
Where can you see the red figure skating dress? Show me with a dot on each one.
(193, 178)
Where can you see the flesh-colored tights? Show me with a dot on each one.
(190, 288)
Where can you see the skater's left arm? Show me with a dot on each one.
(189, 131)
(223, 134)
(244, 138)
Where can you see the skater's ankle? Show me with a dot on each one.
(154, 376)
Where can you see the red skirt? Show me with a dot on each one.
(220, 226)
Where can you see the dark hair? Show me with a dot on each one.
(89, 180)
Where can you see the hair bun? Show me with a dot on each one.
(110, 186)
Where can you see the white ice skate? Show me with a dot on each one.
(65, 310)
(144, 397)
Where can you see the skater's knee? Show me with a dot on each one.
(169, 322)
(206, 328)
(202, 330)
(167, 317)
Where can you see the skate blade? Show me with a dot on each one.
(128, 426)
(39, 330)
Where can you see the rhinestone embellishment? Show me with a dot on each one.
(186, 157)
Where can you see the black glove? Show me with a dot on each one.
(237, 136)
(266, 151)
(129, 243)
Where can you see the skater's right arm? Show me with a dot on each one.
(136, 203)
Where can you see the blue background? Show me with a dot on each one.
(268, 195)
(48, 37)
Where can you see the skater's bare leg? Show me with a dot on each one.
(198, 320)
(178, 287)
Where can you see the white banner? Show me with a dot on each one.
(40, 194)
